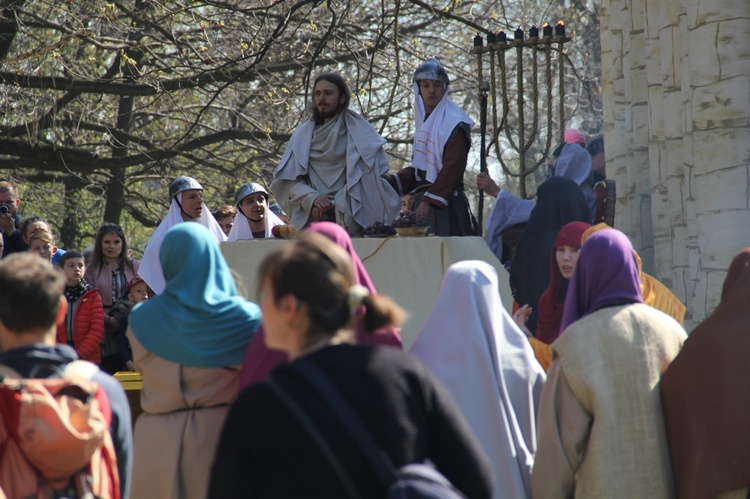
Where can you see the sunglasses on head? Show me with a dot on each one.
(110, 228)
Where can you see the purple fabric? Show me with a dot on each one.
(338, 235)
(606, 276)
(260, 360)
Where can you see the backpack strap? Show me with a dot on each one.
(322, 384)
(316, 435)
(83, 369)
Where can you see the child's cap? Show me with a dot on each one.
(135, 280)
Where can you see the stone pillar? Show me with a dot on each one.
(677, 135)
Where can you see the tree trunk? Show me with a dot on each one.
(115, 191)
(69, 229)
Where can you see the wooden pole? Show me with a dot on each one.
(483, 89)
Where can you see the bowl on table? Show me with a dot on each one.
(411, 231)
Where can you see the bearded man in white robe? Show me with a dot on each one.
(333, 165)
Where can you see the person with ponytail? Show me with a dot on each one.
(310, 299)
(260, 360)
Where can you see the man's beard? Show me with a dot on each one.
(324, 115)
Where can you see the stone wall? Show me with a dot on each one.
(677, 133)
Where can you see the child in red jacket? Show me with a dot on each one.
(83, 328)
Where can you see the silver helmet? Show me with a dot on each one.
(183, 183)
(249, 188)
(431, 69)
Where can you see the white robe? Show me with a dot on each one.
(433, 132)
(150, 269)
(487, 364)
(368, 198)
(241, 229)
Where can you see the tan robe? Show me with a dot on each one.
(176, 436)
(600, 429)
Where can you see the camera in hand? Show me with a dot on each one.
(4, 208)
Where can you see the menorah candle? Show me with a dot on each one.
(502, 36)
(518, 34)
(546, 29)
(560, 29)
(478, 40)
(534, 32)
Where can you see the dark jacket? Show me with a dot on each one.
(265, 452)
(13, 243)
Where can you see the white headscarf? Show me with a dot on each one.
(431, 135)
(473, 346)
(150, 269)
(574, 163)
(241, 228)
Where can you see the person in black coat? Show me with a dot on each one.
(309, 298)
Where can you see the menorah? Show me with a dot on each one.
(527, 130)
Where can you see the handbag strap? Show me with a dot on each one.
(319, 439)
(353, 423)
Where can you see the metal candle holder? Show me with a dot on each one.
(526, 133)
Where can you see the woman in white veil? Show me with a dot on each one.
(473, 346)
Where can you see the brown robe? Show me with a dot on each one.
(450, 214)
(706, 396)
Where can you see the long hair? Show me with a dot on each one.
(337, 80)
(97, 257)
(559, 201)
(320, 275)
